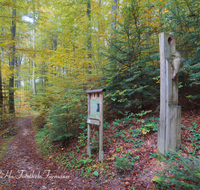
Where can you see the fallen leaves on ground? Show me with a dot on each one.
(23, 157)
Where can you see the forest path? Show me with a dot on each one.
(24, 168)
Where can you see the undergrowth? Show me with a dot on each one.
(87, 165)
(180, 173)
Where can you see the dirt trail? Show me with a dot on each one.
(23, 168)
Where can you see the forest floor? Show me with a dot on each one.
(23, 167)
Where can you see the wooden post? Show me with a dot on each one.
(101, 129)
(88, 140)
(169, 136)
(88, 129)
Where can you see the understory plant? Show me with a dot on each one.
(151, 124)
(66, 116)
(60, 128)
(124, 163)
(194, 137)
(42, 140)
(181, 173)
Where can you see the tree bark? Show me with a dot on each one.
(89, 38)
(33, 76)
(12, 63)
(19, 60)
(1, 91)
(55, 42)
(114, 16)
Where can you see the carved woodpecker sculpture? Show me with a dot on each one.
(176, 63)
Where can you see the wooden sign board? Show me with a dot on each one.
(95, 117)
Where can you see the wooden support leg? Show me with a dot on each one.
(101, 142)
(88, 140)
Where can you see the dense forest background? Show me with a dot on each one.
(51, 52)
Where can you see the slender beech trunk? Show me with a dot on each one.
(1, 90)
(55, 42)
(114, 16)
(89, 38)
(55, 48)
(113, 24)
(99, 30)
(1, 86)
(12, 63)
(33, 76)
(19, 60)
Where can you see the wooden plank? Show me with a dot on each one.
(93, 121)
(88, 105)
(88, 140)
(168, 88)
(101, 129)
(174, 134)
(167, 48)
(161, 128)
(97, 90)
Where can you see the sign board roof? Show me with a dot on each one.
(96, 90)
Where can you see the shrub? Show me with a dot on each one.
(61, 124)
(123, 163)
(40, 120)
(42, 141)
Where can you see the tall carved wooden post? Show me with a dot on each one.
(95, 117)
(169, 131)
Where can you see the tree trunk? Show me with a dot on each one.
(1, 91)
(54, 42)
(113, 24)
(89, 38)
(114, 16)
(34, 85)
(19, 60)
(99, 30)
(12, 63)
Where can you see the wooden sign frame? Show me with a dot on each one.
(95, 117)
